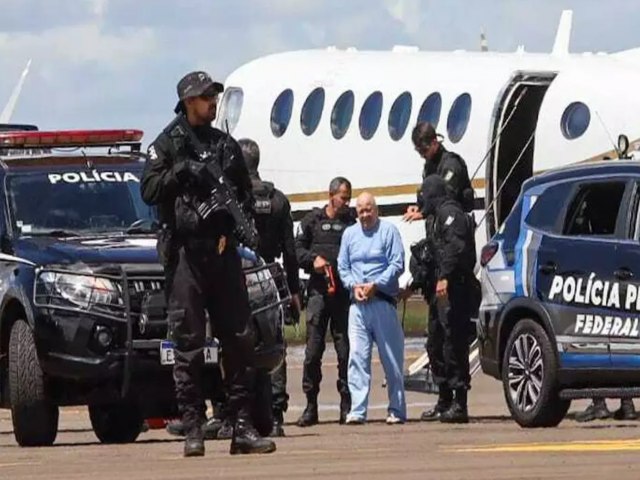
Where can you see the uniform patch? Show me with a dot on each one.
(263, 206)
(448, 175)
(338, 227)
(152, 153)
(449, 220)
(326, 227)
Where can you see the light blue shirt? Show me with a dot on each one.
(375, 255)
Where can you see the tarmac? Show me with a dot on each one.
(491, 446)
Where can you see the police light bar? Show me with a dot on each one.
(69, 138)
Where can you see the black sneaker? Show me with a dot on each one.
(597, 409)
(309, 416)
(247, 440)
(627, 410)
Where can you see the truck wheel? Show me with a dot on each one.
(116, 423)
(34, 415)
(529, 377)
(261, 414)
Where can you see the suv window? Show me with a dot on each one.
(80, 202)
(594, 209)
(547, 211)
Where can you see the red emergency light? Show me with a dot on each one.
(69, 138)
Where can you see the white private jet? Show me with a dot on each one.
(317, 114)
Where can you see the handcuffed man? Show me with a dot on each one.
(370, 261)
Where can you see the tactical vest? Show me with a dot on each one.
(265, 213)
(327, 234)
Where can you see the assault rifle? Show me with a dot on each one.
(222, 195)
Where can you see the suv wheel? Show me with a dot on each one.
(116, 423)
(529, 369)
(34, 415)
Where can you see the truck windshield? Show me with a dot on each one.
(78, 202)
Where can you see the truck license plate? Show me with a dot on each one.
(167, 356)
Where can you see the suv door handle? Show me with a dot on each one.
(623, 273)
(548, 268)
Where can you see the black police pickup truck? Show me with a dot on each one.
(82, 308)
(560, 316)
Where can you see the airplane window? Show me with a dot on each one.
(575, 120)
(231, 107)
(312, 111)
(430, 109)
(341, 115)
(459, 117)
(399, 116)
(370, 115)
(281, 112)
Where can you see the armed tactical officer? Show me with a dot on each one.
(450, 307)
(317, 248)
(272, 213)
(202, 266)
(450, 166)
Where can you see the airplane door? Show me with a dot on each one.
(510, 160)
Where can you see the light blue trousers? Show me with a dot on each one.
(375, 321)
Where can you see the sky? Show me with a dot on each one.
(115, 63)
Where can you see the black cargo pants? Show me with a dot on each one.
(202, 279)
(448, 340)
(326, 312)
(279, 395)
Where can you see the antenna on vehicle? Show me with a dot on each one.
(604, 127)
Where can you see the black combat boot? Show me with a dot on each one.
(457, 412)
(445, 397)
(596, 410)
(345, 406)
(310, 415)
(194, 443)
(212, 427)
(278, 420)
(627, 410)
(247, 440)
(225, 432)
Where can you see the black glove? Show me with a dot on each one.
(189, 170)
